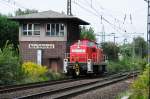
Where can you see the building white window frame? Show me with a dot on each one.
(55, 34)
(32, 29)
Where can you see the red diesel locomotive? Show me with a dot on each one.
(85, 58)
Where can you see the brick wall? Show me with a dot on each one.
(57, 53)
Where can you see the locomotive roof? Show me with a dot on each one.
(84, 42)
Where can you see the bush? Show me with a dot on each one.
(12, 72)
(55, 75)
(10, 69)
(38, 73)
(113, 67)
(35, 72)
(119, 66)
(141, 85)
(126, 64)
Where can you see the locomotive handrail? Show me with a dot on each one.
(67, 56)
(94, 57)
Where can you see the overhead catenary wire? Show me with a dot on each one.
(111, 24)
(14, 3)
(8, 5)
(120, 22)
(96, 13)
(86, 9)
(116, 19)
(103, 18)
(109, 14)
(4, 3)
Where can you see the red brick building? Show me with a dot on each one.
(45, 37)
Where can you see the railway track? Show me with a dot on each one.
(6, 89)
(62, 89)
(10, 88)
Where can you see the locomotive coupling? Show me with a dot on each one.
(76, 67)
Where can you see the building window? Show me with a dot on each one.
(36, 29)
(55, 29)
(48, 29)
(61, 29)
(31, 29)
(25, 29)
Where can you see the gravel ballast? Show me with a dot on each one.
(107, 92)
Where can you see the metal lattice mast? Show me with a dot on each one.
(69, 8)
(103, 30)
(103, 34)
(148, 29)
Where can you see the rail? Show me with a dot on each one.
(11, 88)
(69, 89)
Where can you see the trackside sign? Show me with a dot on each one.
(41, 46)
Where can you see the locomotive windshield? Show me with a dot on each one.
(85, 43)
(91, 44)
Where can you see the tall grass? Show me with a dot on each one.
(140, 87)
(126, 64)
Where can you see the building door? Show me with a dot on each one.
(54, 66)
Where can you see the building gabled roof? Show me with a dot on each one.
(48, 15)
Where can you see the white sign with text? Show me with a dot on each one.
(41, 46)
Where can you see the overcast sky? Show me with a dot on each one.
(114, 11)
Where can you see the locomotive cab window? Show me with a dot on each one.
(91, 44)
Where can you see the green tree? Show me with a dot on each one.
(111, 50)
(87, 33)
(126, 50)
(139, 45)
(27, 11)
(8, 31)
(11, 71)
